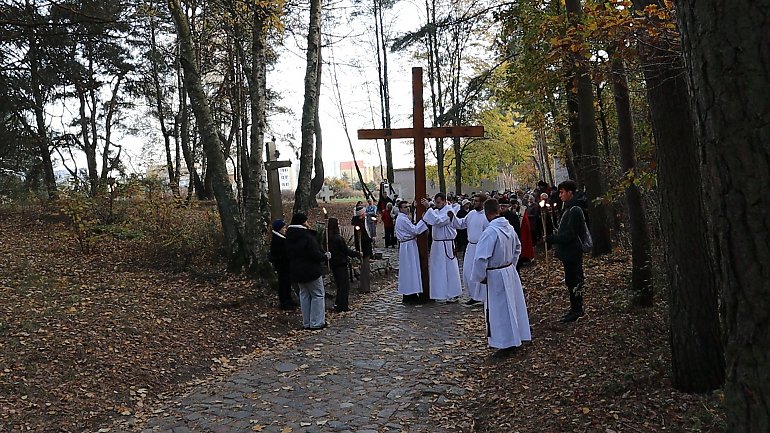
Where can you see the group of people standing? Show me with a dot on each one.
(492, 255)
(490, 263)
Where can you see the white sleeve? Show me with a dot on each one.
(435, 218)
(484, 250)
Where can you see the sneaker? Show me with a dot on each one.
(453, 300)
(471, 303)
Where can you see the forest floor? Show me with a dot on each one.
(90, 338)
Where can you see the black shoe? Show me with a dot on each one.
(566, 313)
(572, 317)
(470, 303)
(504, 353)
(340, 310)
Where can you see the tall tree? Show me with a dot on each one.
(727, 54)
(594, 180)
(641, 258)
(303, 197)
(697, 357)
(232, 226)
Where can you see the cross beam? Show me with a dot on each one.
(419, 132)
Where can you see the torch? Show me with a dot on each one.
(542, 220)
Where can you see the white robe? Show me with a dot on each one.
(443, 268)
(475, 223)
(409, 275)
(505, 309)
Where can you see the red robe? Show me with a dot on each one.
(527, 250)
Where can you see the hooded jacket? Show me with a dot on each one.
(567, 245)
(305, 254)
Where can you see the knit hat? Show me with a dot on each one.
(466, 201)
(360, 211)
(298, 219)
(278, 224)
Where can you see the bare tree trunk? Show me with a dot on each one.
(43, 143)
(641, 260)
(382, 69)
(574, 132)
(568, 158)
(173, 175)
(317, 183)
(731, 118)
(603, 120)
(232, 227)
(594, 170)
(697, 357)
(303, 197)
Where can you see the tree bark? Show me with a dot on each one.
(641, 259)
(232, 227)
(731, 117)
(303, 198)
(593, 168)
(317, 183)
(696, 348)
(384, 87)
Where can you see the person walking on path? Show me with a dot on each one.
(475, 223)
(495, 265)
(443, 268)
(306, 260)
(280, 261)
(568, 247)
(409, 275)
(339, 264)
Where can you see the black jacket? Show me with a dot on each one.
(305, 255)
(278, 256)
(566, 241)
(362, 239)
(340, 251)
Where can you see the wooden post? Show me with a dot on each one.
(419, 132)
(273, 181)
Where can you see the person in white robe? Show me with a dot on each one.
(443, 266)
(475, 223)
(495, 264)
(409, 274)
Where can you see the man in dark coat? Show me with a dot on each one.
(568, 247)
(306, 259)
(280, 261)
(364, 244)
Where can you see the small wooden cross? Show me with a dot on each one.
(419, 132)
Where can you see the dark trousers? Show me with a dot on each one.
(390, 236)
(573, 277)
(343, 287)
(284, 291)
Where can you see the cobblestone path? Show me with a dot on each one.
(378, 368)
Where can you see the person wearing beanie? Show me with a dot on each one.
(306, 259)
(280, 260)
(363, 243)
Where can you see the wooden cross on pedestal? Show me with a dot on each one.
(419, 132)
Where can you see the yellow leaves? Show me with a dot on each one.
(585, 410)
(258, 427)
(286, 430)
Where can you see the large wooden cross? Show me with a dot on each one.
(419, 132)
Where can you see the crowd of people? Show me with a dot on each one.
(495, 233)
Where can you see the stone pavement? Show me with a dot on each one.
(378, 368)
